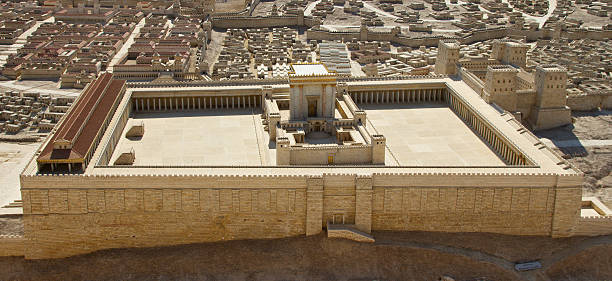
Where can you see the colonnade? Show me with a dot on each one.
(191, 103)
(489, 134)
(398, 96)
(63, 167)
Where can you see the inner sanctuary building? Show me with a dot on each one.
(165, 163)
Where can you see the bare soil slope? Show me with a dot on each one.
(394, 256)
(594, 161)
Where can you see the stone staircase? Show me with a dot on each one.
(348, 231)
(280, 96)
(14, 204)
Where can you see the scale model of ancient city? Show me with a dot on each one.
(160, 123)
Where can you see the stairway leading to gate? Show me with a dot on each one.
(348, 231)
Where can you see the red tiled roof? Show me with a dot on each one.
(85, 119)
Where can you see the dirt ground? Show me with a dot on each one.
(394, 256)
(580, 13)
(11, 225)
(214, 47)
(594, 161)
(264, 8)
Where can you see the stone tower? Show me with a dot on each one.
(378, 149)
(510, 52)
(551, 98)
(300, 17)
(96, 10)
(283, 157)
(500, 86)
(448, 55)
(363, 32)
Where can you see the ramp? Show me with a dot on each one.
(348, 231)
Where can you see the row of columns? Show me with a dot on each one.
(499, 145)
(71, 166)
(399, 96)
(186, 103)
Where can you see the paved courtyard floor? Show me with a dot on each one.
(428, 135)
(224, 137)
(13, 158)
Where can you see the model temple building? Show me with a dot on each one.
(139, 165)
(323, 127)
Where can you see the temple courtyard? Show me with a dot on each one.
(237, 138)
(428, 135)
(196, 138)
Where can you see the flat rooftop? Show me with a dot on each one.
(309, 69)
(220, 137)
(428, 135)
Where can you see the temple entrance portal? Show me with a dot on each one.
(338, 219)
(312, 108)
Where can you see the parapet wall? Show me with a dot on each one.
(593, 226)
(590, 101)
(318, 34)
(214, 83)
(318, 155)
(471, 80)
(474, 36)
(12, 245)
(590, 34)
(261, 22)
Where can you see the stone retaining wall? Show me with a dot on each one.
(591, 101)
(593, 226)
(475, 36)
(12, 245)
(68, 215)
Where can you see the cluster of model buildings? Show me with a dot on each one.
(264, 52)
(234, 61)
(162, 46)
(196, 8)
(30, 111)
(323, 8)
(406, 61)
(73, 53)
(19, 17)
(532, 7)
(596, 8)
(588, 62)
(353, 6)
(370, 18)
(83, 38)
(369, 52)
(293, 7)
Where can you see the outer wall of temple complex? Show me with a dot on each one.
(534, 193)
(68, 215)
